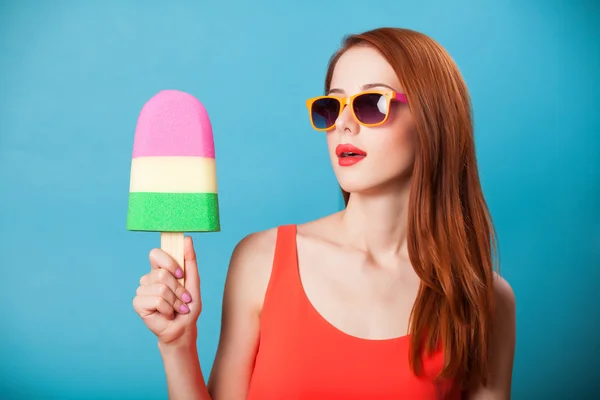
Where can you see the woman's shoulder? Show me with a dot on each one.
(249, 270)
(260, 244)
(504, 294)
(255, 245)
(505, 310)
(252, 259)
(252, 256)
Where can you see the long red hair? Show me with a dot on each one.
(451, 238)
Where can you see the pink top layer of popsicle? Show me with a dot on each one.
(173, 123)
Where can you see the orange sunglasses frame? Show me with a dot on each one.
(349, 101)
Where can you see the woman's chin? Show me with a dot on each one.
(371, 188)
(358, 187)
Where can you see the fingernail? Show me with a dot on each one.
(184, 308)
(179, 273)
(186, 297)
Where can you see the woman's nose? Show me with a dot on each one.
(346, 123)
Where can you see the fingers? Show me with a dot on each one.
(160, 259)
(192, 278)
(146, 305)
(160, 282)
(162, 291)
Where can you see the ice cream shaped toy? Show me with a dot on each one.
(173, 181)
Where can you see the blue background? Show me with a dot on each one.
(74, 75)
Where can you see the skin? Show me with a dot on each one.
(354, 264)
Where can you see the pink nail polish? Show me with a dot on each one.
(186, 297)
(179, 273)
(184, 308)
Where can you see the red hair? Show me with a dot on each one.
(451, 239)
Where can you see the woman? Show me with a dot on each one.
(393, 297)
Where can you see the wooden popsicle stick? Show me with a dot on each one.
(172, 244)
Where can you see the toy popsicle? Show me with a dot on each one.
(173, 182)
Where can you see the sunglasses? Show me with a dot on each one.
(370, 108)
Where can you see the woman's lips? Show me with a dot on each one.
(349, 154)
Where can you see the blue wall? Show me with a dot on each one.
(73, 77)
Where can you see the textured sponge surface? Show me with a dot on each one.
(173, 123)
(173, 212)
(173, 182)
(173, 174)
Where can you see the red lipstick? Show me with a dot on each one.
(349, 155)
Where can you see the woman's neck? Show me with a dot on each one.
(376, 223)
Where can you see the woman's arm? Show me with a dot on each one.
(502, 346)
(245, 287)
(182, 368)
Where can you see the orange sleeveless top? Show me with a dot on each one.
(302, 356)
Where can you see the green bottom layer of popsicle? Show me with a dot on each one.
(173, 212)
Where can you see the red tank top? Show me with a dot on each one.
(302, 356)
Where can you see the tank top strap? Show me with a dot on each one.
(285, 251)
(282, 289)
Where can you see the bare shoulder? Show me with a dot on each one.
(245, 286)
(254, 248)
(502, 346)
(250, 266)
(504, 331)
(505, 297)
(252, 261)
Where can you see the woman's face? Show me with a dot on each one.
(389, 148)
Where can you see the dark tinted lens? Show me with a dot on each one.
(370, 108)
(324, 112)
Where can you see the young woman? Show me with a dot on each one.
(395, 297)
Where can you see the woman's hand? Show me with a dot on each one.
(169, 309)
